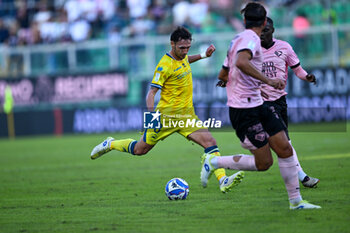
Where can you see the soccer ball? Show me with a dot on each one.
(176, 189)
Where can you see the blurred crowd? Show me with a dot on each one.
(42, 21)
(47, 21)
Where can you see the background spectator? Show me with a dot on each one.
(15, 60)
(199, 10)
(300, 25)
(4, 32)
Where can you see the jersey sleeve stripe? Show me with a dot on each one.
(156, 85)
(246, 49)
(295, 66)
(144, 135)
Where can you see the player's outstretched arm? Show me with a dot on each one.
(210, 50)
(302, 74)
(150, 98)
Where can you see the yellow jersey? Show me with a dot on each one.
(174, 78)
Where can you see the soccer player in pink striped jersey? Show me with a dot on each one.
(258, 127)
(278, 56)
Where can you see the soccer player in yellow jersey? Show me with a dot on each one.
(173, 76)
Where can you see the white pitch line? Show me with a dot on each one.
(331, 156)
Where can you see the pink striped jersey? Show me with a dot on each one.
(276, 61)
(243, 91)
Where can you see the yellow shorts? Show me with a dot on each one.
(183, 126)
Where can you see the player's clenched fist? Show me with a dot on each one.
(311, 78)
(210, 50)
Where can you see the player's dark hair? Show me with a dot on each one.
(270, 21)
(180, 33)
(254, 14)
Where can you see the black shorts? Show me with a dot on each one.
(255, 125)
(281, 108)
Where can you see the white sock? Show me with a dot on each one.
(301, 173)
(289, 174)
(244, 163)
(214, 162)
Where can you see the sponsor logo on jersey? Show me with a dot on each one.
(278, 53)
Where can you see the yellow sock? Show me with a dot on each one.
(124, 145)
(219, 173)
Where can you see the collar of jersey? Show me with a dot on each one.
(170, 56)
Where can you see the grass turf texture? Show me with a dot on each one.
(51, 185)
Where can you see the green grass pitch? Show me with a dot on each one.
(49, 184)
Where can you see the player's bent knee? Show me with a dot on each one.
(285, 151)
(264, 166)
